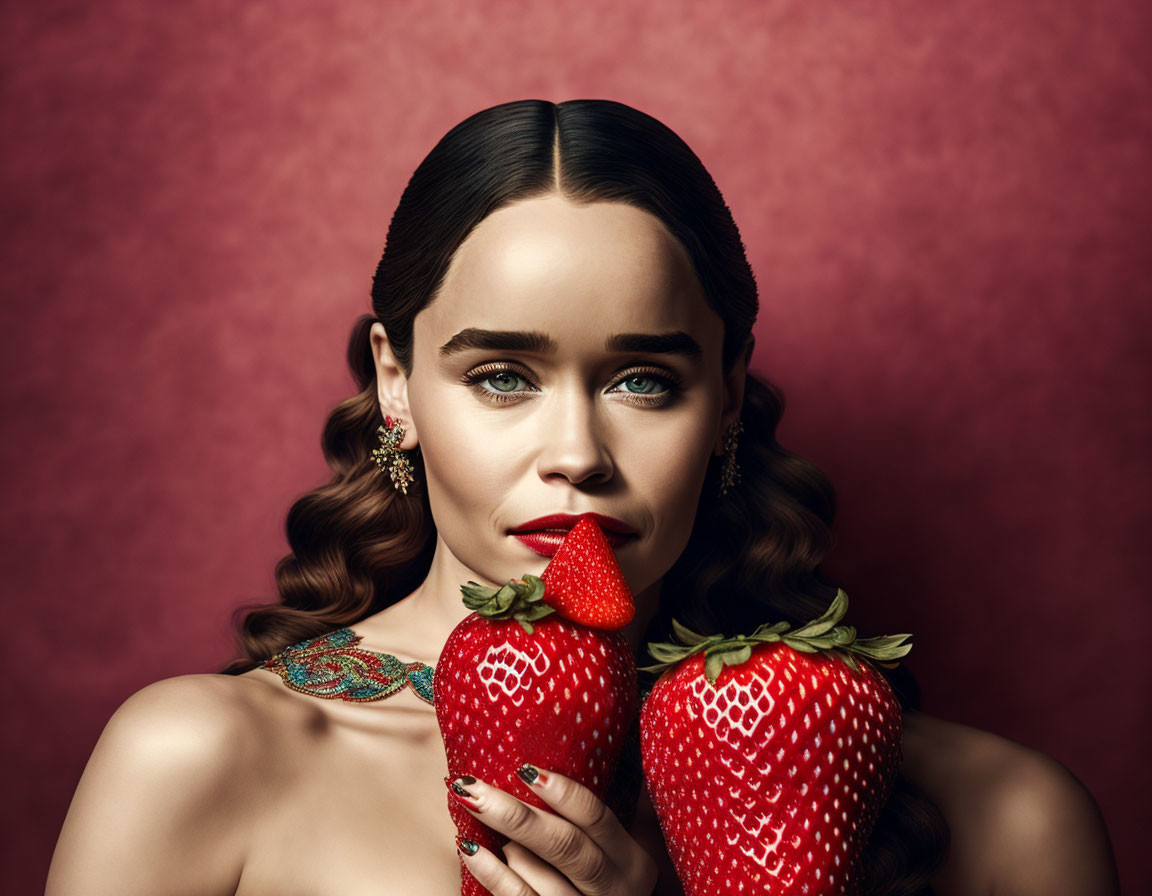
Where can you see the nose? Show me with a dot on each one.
(573, 444)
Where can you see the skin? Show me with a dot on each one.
(206, 784)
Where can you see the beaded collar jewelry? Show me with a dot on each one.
(332, 668)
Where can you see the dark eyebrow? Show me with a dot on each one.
(508, 340)
(675, 343)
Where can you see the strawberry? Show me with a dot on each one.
(769, 757)
(583, 580)
(517, 682)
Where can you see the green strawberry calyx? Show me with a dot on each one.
(823, 635)
(520, 599)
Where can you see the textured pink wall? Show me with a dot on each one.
(946, 204)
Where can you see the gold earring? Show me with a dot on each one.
(389, 456)
(730, 474)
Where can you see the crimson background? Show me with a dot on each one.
(946, 205)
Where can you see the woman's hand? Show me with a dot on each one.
(582, 850)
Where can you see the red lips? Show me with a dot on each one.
(544, 534)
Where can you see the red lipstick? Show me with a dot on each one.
(544, 534)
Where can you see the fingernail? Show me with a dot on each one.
(531, 775)
(461, 795)
(460, 783)
(466, 846)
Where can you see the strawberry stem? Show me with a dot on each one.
(823, 635)
(520, 599)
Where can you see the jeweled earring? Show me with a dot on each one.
(730, 473)
(390, 457)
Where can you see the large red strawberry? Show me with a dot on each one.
(517, 682)
(584, 582)
(769, 757)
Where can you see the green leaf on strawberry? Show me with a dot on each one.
(822, 635)
(520, 599)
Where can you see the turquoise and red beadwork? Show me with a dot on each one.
(331, 667)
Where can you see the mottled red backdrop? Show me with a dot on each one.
(946, 204)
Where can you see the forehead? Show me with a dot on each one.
(577, 272)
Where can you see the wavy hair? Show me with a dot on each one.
(358, 545)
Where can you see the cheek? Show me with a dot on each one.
(670, 473)
(466, 473)
(461, 471)
(678, 464)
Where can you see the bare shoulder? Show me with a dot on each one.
(197, 728)
(1021, 822)
(164, 796)
(207, 702)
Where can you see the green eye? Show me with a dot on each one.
(653, 385)
(502, 379)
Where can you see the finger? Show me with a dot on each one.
(538, 874)
(552, 838)
(498, 878)
(582, 807)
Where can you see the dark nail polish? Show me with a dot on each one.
(467, 846)
(460, 783)
(458, 790)
(461, 795)
(528, 773)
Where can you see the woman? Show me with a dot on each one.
(563, 319)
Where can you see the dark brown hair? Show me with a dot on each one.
(358, 545)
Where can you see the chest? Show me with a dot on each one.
(357, 806)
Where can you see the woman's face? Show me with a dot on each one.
(570, 363)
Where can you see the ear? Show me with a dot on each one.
(392, 386)
(734, 392)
